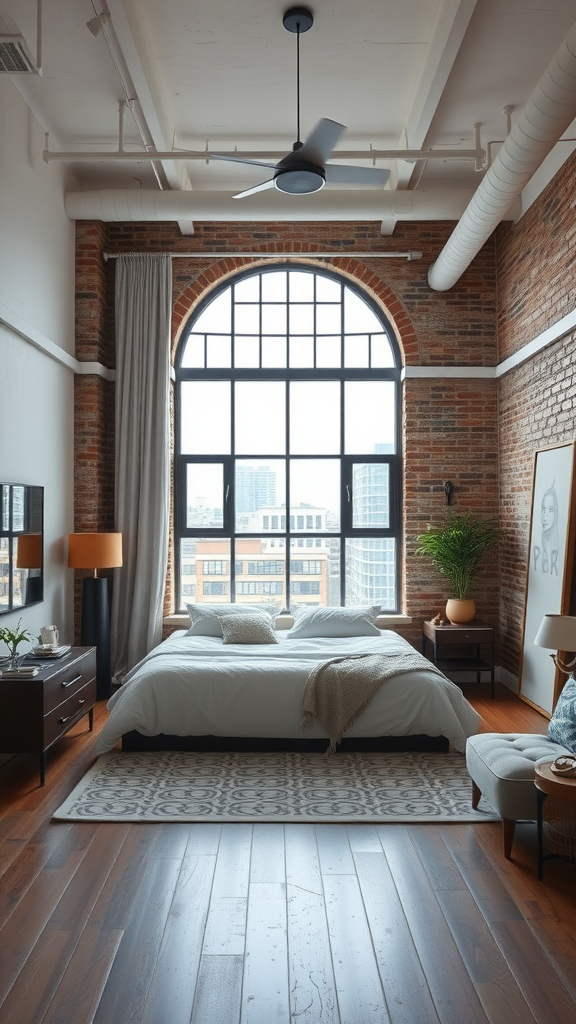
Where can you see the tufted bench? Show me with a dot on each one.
(501, 766)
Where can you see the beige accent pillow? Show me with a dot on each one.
(247, 629)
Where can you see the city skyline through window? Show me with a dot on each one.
(287, 439)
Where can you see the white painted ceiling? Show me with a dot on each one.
(219, 75)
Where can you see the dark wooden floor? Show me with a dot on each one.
(216, 924)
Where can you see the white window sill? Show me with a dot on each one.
(182, 621)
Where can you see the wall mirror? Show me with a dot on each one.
(21, 546)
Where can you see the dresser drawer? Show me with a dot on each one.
(464, 636)
(73, 707)
(68, 681)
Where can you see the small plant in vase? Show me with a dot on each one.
(13, 638)
(455, 551)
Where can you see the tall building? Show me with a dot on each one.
(255, 488)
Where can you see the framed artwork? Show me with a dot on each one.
(549, 569)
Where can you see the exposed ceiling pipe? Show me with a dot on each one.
(546, 116)
(337, 205)
(137, 156)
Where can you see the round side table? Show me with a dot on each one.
(561, 824)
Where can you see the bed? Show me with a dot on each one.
(199, 692)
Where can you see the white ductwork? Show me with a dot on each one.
(546, 116)
(148, 205)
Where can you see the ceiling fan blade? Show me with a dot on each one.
(257, 188)
(319, 145)
(342, 175)
(241, 160)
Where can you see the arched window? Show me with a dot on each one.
(287, 468)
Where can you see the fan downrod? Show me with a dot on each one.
(298, 19)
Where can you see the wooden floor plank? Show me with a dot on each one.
(124, 995)
(79, 993)
(267, 862)
(23, 929)
(359, 990)
(265, 998)
(39, 977)
(310, 972)
(334, 850)
(87, 972)
(232, 874)
(404, 982)
(173, 983)
(497, 989)
(543, 943)
(452, 990)
(217, 999)
(29, 860)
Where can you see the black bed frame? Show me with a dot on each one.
(136, 741)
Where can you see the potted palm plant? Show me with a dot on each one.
(455, 551)
(13, 638)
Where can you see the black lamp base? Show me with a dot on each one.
(95, 630)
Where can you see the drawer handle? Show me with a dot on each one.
(83, 701)
(62, 720)
(72, 681)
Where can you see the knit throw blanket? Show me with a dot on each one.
(338, 691)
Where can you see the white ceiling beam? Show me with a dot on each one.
(448, 32)
(141, 65)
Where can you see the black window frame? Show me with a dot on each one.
(342, 374)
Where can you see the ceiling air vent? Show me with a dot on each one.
(15, 58)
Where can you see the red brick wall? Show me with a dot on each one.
(537, 400)
(535, 264)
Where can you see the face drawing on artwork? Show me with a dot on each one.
(546, 555)
(548, 511)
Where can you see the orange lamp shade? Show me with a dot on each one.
(29, 551)
(94, 550)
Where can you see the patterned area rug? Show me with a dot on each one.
(284, 787)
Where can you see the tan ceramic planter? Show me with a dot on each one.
(459, 612)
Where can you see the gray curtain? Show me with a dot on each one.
(143, 311)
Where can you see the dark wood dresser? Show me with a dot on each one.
(35, 713)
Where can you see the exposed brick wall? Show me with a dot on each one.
(537, 405)
(450, 433)
(458, 327)
(535, 264)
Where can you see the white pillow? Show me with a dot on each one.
(247, 629)
(336, 622)
(205, 617)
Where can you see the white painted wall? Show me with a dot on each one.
(36, 391)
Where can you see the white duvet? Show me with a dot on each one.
(197, 686)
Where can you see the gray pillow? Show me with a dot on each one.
(247, 629)
(562, 727)
(336, 622)
(205, 617)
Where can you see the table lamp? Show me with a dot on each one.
(558, 633)
(29, 556)
(96, 551)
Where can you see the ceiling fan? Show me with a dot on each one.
(305, 169)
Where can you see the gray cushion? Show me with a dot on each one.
(502, 766)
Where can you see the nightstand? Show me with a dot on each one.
(35, 713)
(467, 648)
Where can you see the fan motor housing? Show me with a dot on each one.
(299, 180)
